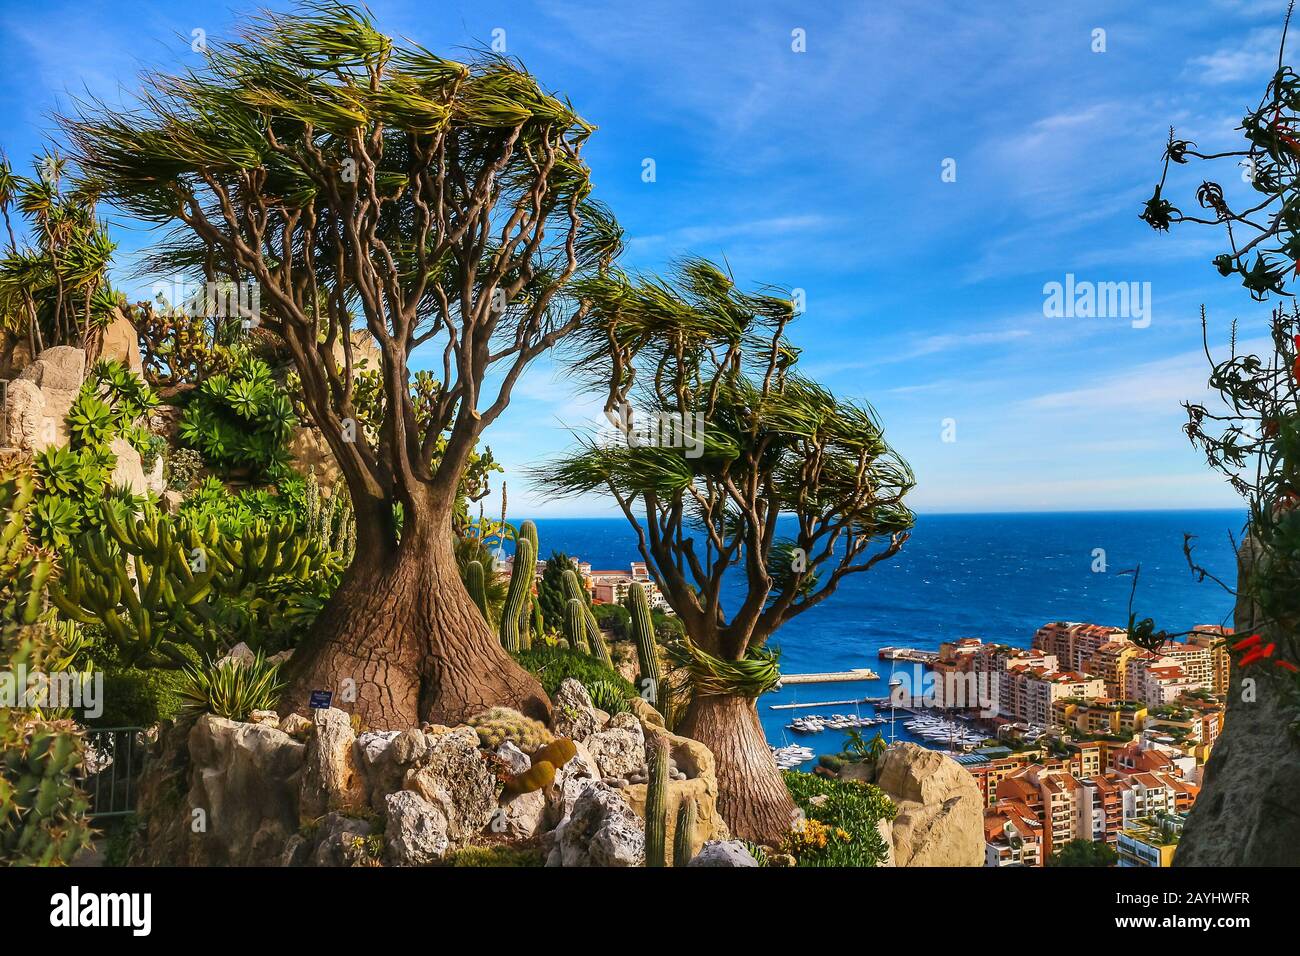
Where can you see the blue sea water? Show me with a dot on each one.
(997, 577)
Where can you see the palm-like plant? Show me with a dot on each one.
(369, 185)
(53, 280)
(695, 349)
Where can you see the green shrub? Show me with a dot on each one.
(552, 665)
(495, 856)
(841, 831)
(230, 689)
(613, 617)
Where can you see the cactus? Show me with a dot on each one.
(539, 629)
(643, 632)
(656, 804)
(557, 753)
(499, 724)
(575, 623)
(539, 776)
(594, 640)
(527, 625)
(159, 583)
(521, 584)
(682, 835)
(42, 811)
(476, 584)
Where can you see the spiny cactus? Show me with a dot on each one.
(42, 811)
(157, 583)
(499, 724)
(575, 623)
(521, 584)
(682, 835)
(594, 641)
(656, 804)
(476, 584)
(643, 632)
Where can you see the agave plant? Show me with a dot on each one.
(231, 688)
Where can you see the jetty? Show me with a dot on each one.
(824, 703)
(831, 677)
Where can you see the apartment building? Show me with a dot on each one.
(1214, 639)
(1099, 716)
(1150, 842)
(1110, 662)
(1073, 643)
(1013, 835)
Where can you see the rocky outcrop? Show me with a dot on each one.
(454, 776)
(57, 375)
(331, 778)
(243, 797)
(1246, 812)
(601, 831)
(940, 819)
(416, 833)
(727, 853)
(573, 714)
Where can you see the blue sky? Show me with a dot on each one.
(821, 170)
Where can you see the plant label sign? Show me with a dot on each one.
(321, 699)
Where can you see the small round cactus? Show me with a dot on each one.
(500, 724)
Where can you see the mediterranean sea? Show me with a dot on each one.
(997, 577)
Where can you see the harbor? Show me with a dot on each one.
(831, 677)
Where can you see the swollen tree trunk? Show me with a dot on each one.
(752, 797)
(403, 639)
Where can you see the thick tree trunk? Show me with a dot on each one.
(752, 797)
(402, 637)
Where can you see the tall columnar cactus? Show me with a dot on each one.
(528, 532)
(476, 584)
(575, 623)
(521, 584)
(594, 641)
(685, 830)
(643, 632)
(656, 804)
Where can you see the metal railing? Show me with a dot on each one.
(114, 757)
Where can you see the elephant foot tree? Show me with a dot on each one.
(361, 184)
(741, 479)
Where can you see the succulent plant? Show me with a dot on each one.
(685, 829)
(537, 777)
(500, 724)
(591, 636)
(521, 585)
(476, 584)
(557, 753)
(42, 811)
(575, 624)
(643, 632)
(656, 804)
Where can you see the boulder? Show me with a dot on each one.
(296, 725)
(267, 718)
(617, 752)
(342, 842)
(571, 781)
(386, 756)
(25, 416)
(331, 779)
(601, 831)
(515, 760)
(723, 853)
(127, 471)
(940, 818)
(416, 831)
(521, 817)
(118, 341)
(171, 501)
(245, 778)
(58, 372)
(573, 715)
(455, 777)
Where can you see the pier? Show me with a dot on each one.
(831, 677)
(824, 703)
